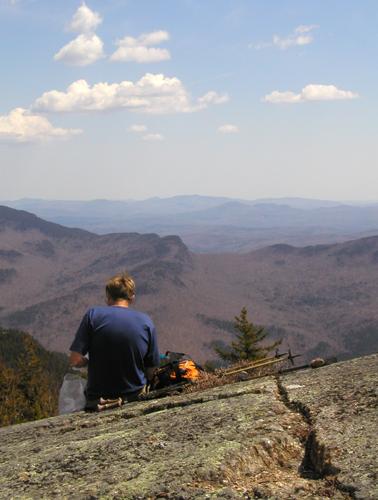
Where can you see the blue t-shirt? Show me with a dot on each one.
(121, 343)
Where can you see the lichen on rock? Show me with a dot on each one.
(307, 434)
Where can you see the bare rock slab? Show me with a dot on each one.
(245, 440)
(340, 403)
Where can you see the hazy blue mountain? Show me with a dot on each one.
(114, 208)
(216, 224)
(301, 203)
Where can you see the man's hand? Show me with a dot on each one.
(77, 360)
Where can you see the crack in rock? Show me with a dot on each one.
(269, 438)
(316, 463)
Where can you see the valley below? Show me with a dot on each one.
(319, 299)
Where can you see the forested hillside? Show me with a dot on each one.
(30, 378)
(321, 300)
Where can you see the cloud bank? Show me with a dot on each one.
(153, 93)
(312, 92)
(22, 126)
(140, 49)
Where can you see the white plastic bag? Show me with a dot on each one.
(71, 395)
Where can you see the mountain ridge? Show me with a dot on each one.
(318, 298)
(21, 219)
(217, 224)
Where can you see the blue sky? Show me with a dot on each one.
(254, 98)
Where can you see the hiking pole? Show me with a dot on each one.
(291, 357)
(262, 360)
(258, 365)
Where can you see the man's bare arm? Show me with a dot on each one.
(77, 360)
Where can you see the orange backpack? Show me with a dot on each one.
(177, 368)
(186, 370)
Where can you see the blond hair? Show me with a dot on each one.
(121, 286)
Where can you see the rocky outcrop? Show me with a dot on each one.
(308, 434)
(340, 406)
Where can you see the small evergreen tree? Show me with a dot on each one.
(247, 345)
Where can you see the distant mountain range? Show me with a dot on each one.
(322, 299)
(217, 224)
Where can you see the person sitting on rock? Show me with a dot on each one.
(121, 345)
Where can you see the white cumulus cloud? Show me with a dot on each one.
(305, 28)
(228, 129)
(212, 97)
(153, 38)
(153, 137)
(153, 93)
(85, 49)
(22, 126)
(311, 92)
(85, 20)
(142, 129)
(140, 49)
(302, 35)
(138, 128)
